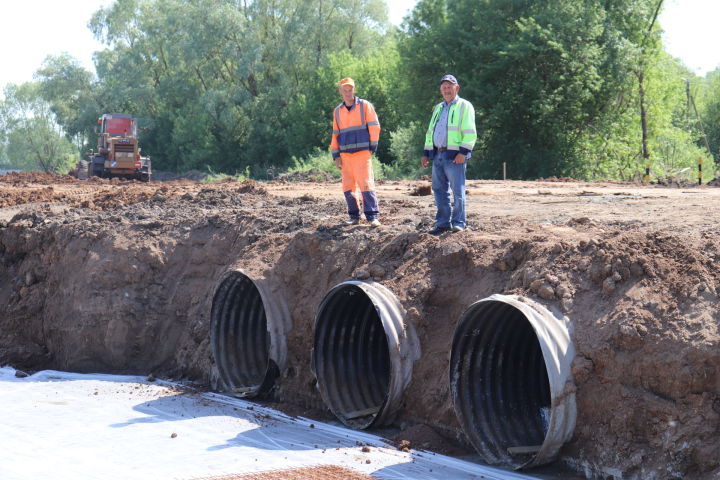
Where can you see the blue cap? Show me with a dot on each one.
(449, 78)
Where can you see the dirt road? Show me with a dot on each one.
(118, 276)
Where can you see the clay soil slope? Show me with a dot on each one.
(118, 276)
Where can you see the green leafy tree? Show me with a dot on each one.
(424, 59)
(32, 138)
(213, 82)
(404, 143)
(611, 148)
(4, 161)
(675, 140)
(376, 76)
(5, 122)
(539, 73)
(708, 104)
(68, 88)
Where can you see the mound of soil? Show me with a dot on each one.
(421, 190)
(192, 175)
(119, 277)
(423, 437)
(312, 175)
(558, 179)
(38, 178)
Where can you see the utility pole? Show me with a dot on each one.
(641, 91)
(643, 117)
(691, 103)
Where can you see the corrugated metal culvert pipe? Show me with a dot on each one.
(510, 380)
(363, 353)
(247, 334)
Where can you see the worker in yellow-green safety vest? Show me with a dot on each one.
(449, 141)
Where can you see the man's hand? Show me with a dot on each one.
(459, 159)
(338, 162)
(424, 161)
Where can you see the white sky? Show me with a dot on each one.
(399, 8)
(30, 30)
(692, 33)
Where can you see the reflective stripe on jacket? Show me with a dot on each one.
(461, 127)
(356, 129)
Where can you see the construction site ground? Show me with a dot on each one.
(118, 276)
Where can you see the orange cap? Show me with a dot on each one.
(347, 81)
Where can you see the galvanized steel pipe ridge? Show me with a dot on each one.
(248, 326)
(510, 379)
(363, 353)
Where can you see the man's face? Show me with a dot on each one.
(348, 93)
(449, 90)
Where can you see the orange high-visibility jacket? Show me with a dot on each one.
(356, 129)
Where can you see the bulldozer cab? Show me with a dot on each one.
(120, 126)
(115, 125)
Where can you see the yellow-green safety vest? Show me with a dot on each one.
(461, 126)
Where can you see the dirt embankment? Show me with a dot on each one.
(119, 276)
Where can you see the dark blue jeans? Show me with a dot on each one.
(448, 176)
(370, 205)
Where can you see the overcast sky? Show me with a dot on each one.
(30, 30)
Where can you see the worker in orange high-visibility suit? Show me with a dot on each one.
(356, 131)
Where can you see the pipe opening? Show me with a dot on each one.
(505, 372)
(240, 338)
(361, 355)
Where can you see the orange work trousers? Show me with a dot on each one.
(357, 172)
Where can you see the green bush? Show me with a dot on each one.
(318, 160)
(676, 157)
(322, 161)
(406, 149)
(215, 177)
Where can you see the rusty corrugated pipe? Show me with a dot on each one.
(363, 353)
(248, 325)
(510, 379)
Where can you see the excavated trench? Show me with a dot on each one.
(504, 353)
(530, 348)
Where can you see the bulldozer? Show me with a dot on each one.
(118, 153)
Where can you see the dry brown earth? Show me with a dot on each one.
(118, 276)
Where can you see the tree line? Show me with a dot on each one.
(576, 88)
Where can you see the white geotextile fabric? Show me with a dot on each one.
(68, 426)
